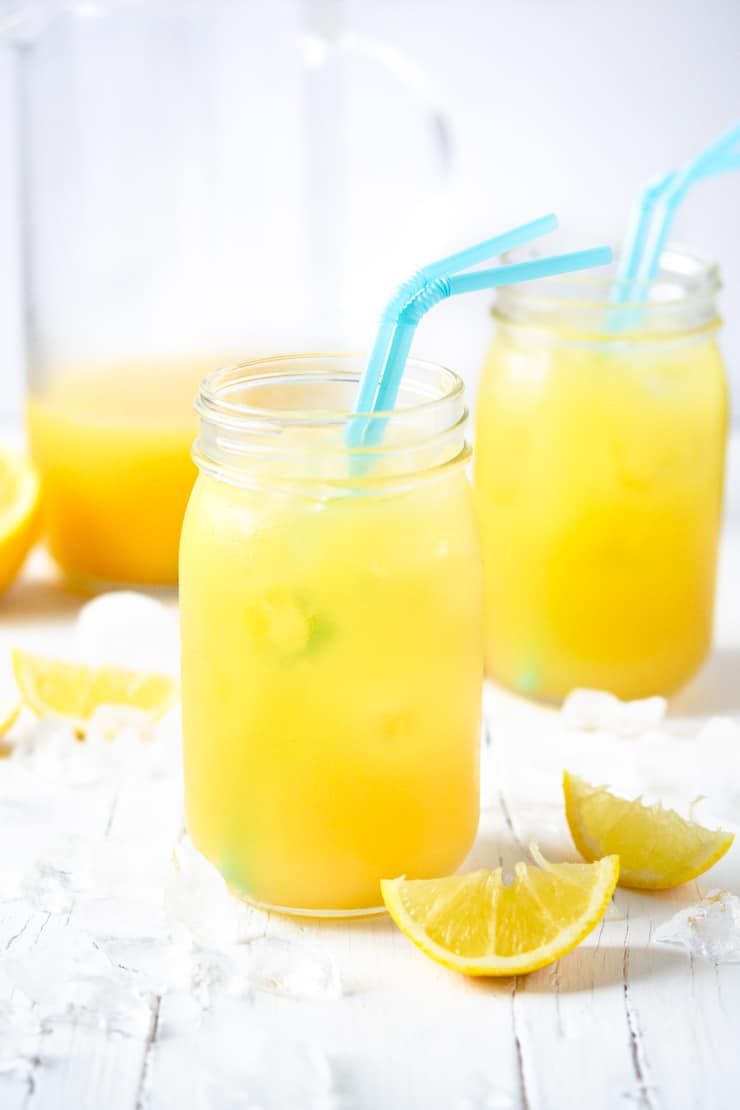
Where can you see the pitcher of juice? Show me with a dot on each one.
(599, 468)
(331, 625)
(192, 175)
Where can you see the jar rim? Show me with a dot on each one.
(212, 405)
(286, 442)
(686, 276)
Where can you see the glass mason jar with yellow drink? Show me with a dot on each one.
(331, 617)
(600, 448)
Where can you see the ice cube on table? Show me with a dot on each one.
(213, 973)
(50, 752)
(710, 929)
(126, 746)
(597, 710)
(69, 978)
(49, 889)
(111, 722)
(121, 918)
(198, 900)
(292, 968)
(128, 629)
(159, 966)
(104, 1002)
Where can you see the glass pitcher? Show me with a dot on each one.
(201, 180)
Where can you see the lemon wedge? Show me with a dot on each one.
(476, 925)
(657, 848)
(20, 505)
(52, 687)
(9, 710)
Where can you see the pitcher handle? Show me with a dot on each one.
(416, 80)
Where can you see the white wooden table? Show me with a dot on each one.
(620, 1022)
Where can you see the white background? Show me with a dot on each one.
(554, 104)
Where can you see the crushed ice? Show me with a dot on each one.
(597, 710)
(49, 889)
(710, 929)
(292, 968)
(198, 901)
(67, 977)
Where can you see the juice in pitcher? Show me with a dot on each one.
(331, 618)
(599, 466)
(112, 444)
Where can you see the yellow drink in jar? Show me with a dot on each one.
(598, 474)
(112, 444)
(332, 659)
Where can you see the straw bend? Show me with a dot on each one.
(653, 215)
(431, 284)
(425, 299)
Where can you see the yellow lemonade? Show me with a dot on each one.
(599, 485)
(331, 672)
(112, 444)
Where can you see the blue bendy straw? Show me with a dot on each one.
(634, 242)
(404, 326)
(713, 156)
(460, 260)
(648, 232)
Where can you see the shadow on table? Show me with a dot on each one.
(33, 599)
(590, 968)
(715, 690)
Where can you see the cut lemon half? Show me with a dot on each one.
(52, 687)
(20, 505)
(657, 848)
(478, 926)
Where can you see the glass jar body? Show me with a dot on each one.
(599, 474)
(332, 669)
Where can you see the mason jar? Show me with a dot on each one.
(331, 619)
(600, 447)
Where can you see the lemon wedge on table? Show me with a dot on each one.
(657, 848)
(478, 926)
(52, 687)
(10, 708)
(20, 511)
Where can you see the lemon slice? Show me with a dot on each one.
(20, 502)
(75, 691)
(657, 849)
(477, 925)
(9, 709)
